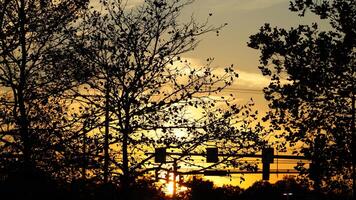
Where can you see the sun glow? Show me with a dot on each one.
(169, 188)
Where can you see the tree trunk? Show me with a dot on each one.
(125, 165)
(22, 120)
(125, 160)
(353, 144)
(84, 158)
(106, 136)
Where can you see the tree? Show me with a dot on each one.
(312, 89)
(34, 73)
(201, 189)
(287, 188)
(151, 96)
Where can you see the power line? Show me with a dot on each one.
(243, 90)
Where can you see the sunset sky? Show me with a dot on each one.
(244, 18)
(177, 99)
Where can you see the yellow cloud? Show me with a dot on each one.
(250, 80)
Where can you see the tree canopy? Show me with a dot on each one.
(152, 96)
(312, 88)
(34, 73)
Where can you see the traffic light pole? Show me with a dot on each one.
(175, 168)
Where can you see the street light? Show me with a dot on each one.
(287, 194)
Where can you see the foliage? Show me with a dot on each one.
(203, 189)
(312, 89)
(150, 94)
(279, 190)
(34, 73)
(42, 186)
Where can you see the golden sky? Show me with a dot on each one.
(244, 18)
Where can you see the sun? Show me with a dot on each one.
(169, 188)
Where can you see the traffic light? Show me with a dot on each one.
(267, 159)
(160, 155)
(212, 155)
(267, 155)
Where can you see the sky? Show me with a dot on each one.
(244, 18)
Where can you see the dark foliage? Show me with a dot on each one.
(34, 72)
(312, 89)
(150, 95)
(200, 189)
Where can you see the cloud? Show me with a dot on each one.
(246, 5)
(128, 3)
(247, 80)
(250, 80)
(256, 4)
(133, 3)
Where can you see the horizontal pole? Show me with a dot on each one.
(292, 157)
(219, 173)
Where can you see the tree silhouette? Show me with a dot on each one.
(312, 90)
(148, 92)
(199, 189)
(34, 73)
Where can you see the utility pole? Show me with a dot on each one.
(84, 158)
(175, 168)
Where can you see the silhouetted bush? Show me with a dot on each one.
(18, 185)
(39, 186)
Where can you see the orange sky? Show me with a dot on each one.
(244, 18)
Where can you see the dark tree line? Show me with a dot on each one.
(287, 188)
